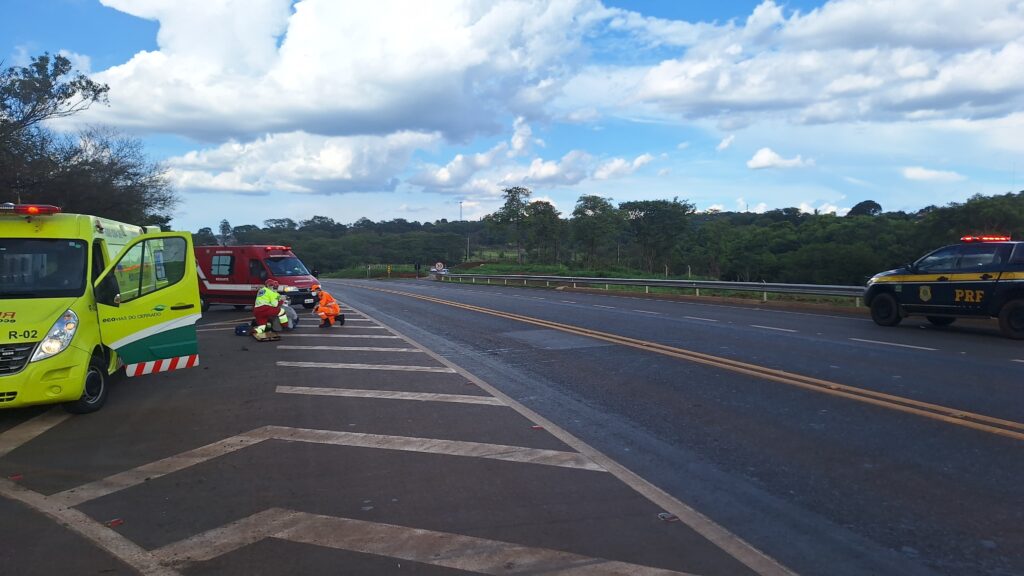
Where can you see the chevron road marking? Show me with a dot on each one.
(445, 549)
(390, 395)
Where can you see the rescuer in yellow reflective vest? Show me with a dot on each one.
(266, 308)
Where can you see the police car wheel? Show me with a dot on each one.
(885, 311)
(94, 394)
(1011, 319)
(941, 320)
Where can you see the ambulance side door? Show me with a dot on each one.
(148, 304)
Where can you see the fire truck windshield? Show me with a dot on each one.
(286, 266)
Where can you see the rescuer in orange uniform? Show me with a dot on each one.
(328, 308)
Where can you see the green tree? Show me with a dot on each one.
(512, 215)
(204, 237)
(542, 231)
(656, 226)
(595, 223)
(226, 236)
(865, 208)
(280, 224)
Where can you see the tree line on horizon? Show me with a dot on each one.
(646, 236)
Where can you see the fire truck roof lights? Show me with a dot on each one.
(29, 209)
(269, 248)
(985, 239)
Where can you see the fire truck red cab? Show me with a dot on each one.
(232, 274)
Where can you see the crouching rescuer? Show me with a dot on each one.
(265, 310)
(327, 308)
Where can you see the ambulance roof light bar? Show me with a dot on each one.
(28, 209)
(985, 239)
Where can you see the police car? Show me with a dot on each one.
(983, 276)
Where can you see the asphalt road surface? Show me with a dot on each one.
(454, 428)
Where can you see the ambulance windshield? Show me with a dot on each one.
(286, 266)
(31, 268)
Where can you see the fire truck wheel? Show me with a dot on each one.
(204, 304)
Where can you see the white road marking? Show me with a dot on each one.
(538, 297)
(135, 476)
(602, 306)
(30, 429)
(359, 320)
(327, 335)
(893, 344)
(1015, 360)
(568, 301)
(445, 549)
(350, 348)
(432, 446)
(772, 328)
(212, 329)
(336, 327)
(390, 395)
(341, 366)
(647, 312)
(106, 539)
(699, 318)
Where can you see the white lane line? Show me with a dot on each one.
(444, 549)
(178, 462)
(893, 344)
(398, 368)
(347, 319)
(377, 336)
(390, 395)
(350, 348)
(602, 306)
(135, 476)
(30, 429)
(213, 329)
(772, 328)
(104, 538)
(538, 297)
(337, 327)
(647, 312)
(567, 301)
(699, 318)
(1016, 360)
(432, 446)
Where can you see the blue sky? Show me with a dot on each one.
(276, 108)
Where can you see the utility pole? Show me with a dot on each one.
(460, 211)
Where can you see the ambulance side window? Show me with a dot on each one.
(256, 270)
(223, 265)
(150, 266)
(99, 262)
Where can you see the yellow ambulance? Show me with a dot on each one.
(81, 296)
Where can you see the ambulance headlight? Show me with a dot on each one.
(58, 337)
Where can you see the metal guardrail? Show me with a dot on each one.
(763, 287)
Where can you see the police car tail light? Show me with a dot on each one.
(58, 337)
(29, 209)
(985, 239)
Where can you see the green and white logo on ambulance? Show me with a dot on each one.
(166, 346)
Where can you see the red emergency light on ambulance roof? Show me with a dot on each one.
(985, 239)
(29, 209)
(269, 248)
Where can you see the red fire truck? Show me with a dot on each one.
(232, 274)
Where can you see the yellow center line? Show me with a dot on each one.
(975, 421)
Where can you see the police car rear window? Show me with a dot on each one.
(1018, 254)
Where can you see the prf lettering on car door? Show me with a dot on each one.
(972, 296)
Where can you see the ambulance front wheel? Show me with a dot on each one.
(885, 310)
(94, 393)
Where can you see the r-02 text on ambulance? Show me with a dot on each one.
(81, 296)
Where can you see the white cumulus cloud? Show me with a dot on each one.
(618, 167)
(927, 175)
(725, 143)
(768, 158)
